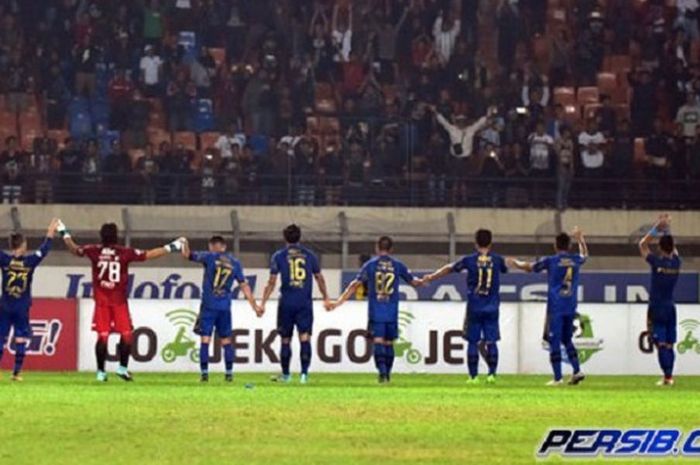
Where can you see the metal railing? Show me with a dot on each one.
(409, 191)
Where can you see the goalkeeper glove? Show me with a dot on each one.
(62, 229)
(174, 246)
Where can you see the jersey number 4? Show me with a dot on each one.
(111, 271)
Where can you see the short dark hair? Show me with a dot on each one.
(667, 244)
(292, 234)
(16, 240)
(217, 239)
(483, 238)
(385, 244)
(563, 241)
(109, 234)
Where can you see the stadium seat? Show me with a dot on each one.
(157, 136)
(590, 110)
(80, 125)
(219, 55)
(186, 138)
(203, 117)
(620, 63)
(99, 111)
(329, 126)
(59, 135)
(607, 83)
(28, 136)
(564, 96)
(572, 114)
(78, 104)
(157, 119)
(30, 121)
(622, 111)
(259, 143)
(326, 105)
(586, 95)
(323, 90)
(106, 139)
(208, 139)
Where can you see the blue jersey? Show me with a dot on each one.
(563, 272)
(380, 276)
(664, 276)
(483, 280)
(220, 272)
(17, 274)
(296, 266)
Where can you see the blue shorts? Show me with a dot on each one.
(210, 319)
(559, 329)
(481, 326)
(289, 317)
(662, 323)
(386, 331)
(17, 319)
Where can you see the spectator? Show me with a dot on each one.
(152, 21)
(445, 31)
(564, 148)
(179, 96)
(304, 170)
(462, 135)
(147, 167)
(120, 93)
(226, 141)
(42, 161)
(508, 24)
(57, 95)
(560, 64)
(91, 169)
(591, 143)
(541, 145)
(687, 18)
(117, 169)
(688, 116)
(150, 67)
(643, 106)
(341, 32)
(85, 56)
(657, 147)
(17, 83)
(623, 151)
(607, 117)
(12, 161)
(209, 178)
(332, 171)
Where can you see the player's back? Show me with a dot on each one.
(17, 276)
(221, 270)
(563, 271)
(296, 266)
(110, 270)
(664, 276)
(483, 279)
(381, 275)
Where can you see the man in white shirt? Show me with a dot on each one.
(461, 134)
(689, 116)
(591, 143)
(224, 144)
(688, 18)
(445, 32)
(150, 67)
(541, 145)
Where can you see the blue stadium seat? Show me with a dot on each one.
(203, 116)
(188, 41)
(105, 139)
(259, 143)
(99, 109)
(77, 105)
(80, 125)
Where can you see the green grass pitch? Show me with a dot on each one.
(420, 419)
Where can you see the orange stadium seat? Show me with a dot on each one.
(208, 139)
(586, 95)
(640, 153)
(59, 135)
(186, 138)
(219, 55)
(607, 83)
(157, 136)
(590, 110)
(564, 95)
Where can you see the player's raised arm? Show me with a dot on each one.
(174, 246)
(582, 246)
(648, 238)
(67, 238)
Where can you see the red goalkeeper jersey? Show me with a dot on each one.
(110, 271)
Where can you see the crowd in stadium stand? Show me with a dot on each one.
(339, 101)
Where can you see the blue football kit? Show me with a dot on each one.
(662, 308)
(17, 275)
(221, 271)
(563, 272)
(380, 276)
(296, 265)
(483, 295)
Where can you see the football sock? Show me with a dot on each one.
(555, 360)
(389, 354)
(473, 359)
(666, 360)
(305, 356)
(2, 346)
(101, 353)
(19, 357)
(572, 354)
(285, 357)
(124, 351)
(380, 358)
(204, 358)
(228, 358)
(492, 357)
